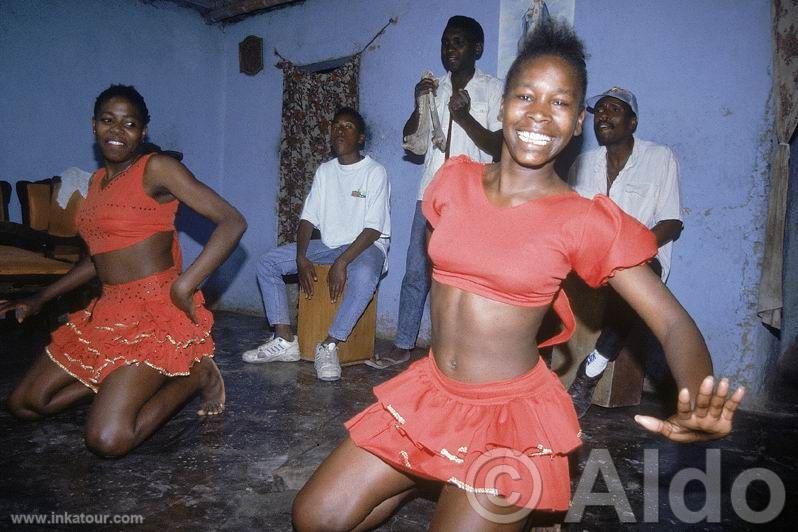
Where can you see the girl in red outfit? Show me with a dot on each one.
(144, 345)
(482, 413)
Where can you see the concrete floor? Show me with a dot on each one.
(241, 471)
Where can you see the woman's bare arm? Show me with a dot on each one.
(80, 274)
(166, 176)
(709, 416)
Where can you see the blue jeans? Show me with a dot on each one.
(415, 284)
(362, 276)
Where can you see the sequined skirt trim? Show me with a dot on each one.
(132, 323)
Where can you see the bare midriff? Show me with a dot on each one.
(150, 256)
(476, 339)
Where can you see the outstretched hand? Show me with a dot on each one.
(23, 308)
(6, 305)
(710, 418)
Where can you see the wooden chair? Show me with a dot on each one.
(315, 316)
(5, 198)
(48, 227)
(37, 252)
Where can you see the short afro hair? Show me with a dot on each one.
(127, 92)
(357, 118)
(555, 38)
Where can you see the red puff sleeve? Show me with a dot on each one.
(435, 195)
(431, 205)
(611, 240)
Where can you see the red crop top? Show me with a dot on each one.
(520, 255)
(122, 214)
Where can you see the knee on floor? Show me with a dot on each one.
(311, 513)
(109, 442)
(23, 406)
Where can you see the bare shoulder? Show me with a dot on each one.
(165, 176)
(162, 170)
(160, 164)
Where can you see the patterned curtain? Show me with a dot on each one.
(310, 100)
(785, 90)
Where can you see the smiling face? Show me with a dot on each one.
(541, 111)
(118, 129)
(457, 51)
(613, 121)
(346, 136)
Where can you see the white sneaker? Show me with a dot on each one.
(275, 350)
(327, 366)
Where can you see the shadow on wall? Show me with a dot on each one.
(199, 229)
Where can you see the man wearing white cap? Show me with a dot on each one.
(642, 178)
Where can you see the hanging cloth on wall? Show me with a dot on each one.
(785, 91)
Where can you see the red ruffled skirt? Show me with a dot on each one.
(132, 323)
(506, 438)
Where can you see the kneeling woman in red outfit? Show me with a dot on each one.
(144, 346)
(483, 414)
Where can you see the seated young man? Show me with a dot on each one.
(349, 203)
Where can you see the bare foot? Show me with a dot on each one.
(212, 389)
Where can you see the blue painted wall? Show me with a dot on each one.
(700, 71)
